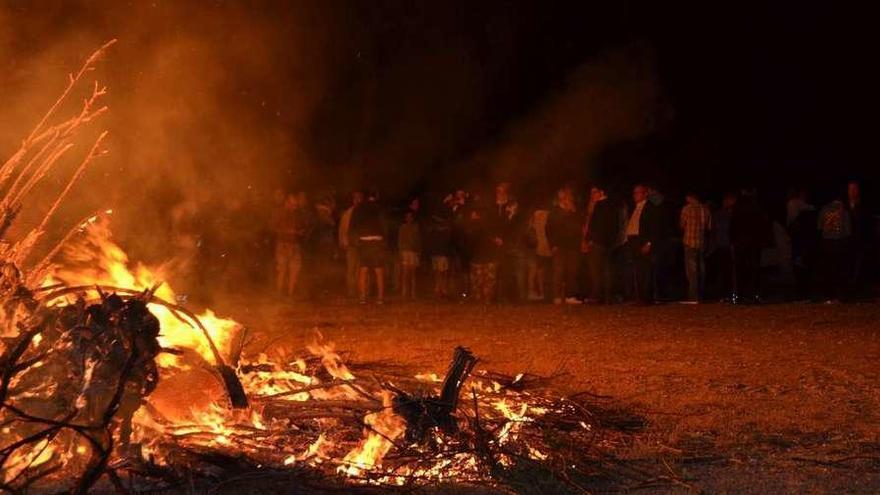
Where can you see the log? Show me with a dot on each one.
(423, 413)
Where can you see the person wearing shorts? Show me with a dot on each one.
(439, 248)
(540, 262)
(368, 228)
(288, 253)
(440, 267)
(409, 245)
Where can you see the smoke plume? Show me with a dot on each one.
(209, 107)
(612, 98)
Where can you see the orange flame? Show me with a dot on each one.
(97, 260)
(383, 428)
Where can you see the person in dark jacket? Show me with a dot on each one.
(862, 238)
(459, 206)
(409, 245)
(565, 233)
(513, 263)
(368, 228)
(439, 247)
(601, 234)
(720, 260)
(498, 222)
(750, 233)
(322, 250)
(835, 231)
(801, 221)
(665, 249)
(642, 234)
(482, 228)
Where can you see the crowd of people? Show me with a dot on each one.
(574, 249)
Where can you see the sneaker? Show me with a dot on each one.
(380, 302)
(573, 300)
(558, 300)
(689, 301)
(362, 301)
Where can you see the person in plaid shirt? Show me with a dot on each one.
(696, 221)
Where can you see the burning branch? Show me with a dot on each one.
(38, 133)
(56, 141)
(24, 247)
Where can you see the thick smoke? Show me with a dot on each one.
(615, 97)
(209, 107)
(216, 105)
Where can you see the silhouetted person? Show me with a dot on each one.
(287, 225)
(485, 235)
(663, 249)
(749, 233)
(458, 205)
(513, 270)
(323, 250)
(601, 235)
(348, 244)
(721, 252)
(862, 237)
(835, 232)
(409, 244)
(415, 207)
(642, 233)
(695, 222)
(497, 219)
(368, 227)
(801, 218)
(439, 246)
(541, 257)
(565, 233)
(796, 204)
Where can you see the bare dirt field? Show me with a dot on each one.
(769, 399)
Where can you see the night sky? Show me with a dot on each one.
(409, 96)
(770, 93)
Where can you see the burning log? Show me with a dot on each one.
(104, 355)
(234, 389)
(39, 152)
(423, 413)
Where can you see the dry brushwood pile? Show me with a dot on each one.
(106, 384)
(312, 417)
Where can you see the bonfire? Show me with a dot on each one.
(108, 384)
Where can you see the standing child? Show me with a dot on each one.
(409, 243)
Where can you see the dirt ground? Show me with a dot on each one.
(770, 399)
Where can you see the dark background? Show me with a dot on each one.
(771, 93)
